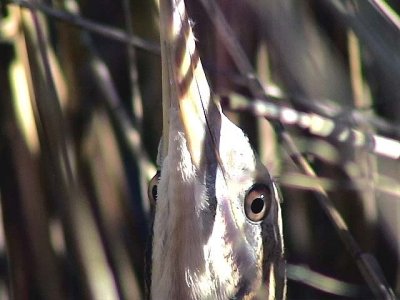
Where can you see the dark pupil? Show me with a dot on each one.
(257, 205)
(154, 192)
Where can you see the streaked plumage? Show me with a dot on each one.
(217, 227)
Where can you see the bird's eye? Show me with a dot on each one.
(257, 202)
(152, 188)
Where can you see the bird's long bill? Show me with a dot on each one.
(185, 86)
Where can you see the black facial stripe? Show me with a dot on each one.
(208, 169)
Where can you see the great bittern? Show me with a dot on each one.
(217, 230)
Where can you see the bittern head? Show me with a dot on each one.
(217, 226)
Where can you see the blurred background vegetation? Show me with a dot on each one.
(80, 122)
